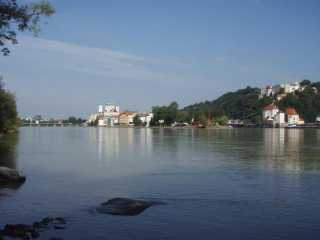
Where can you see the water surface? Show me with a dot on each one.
(217, 184)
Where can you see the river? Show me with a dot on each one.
(215, 183)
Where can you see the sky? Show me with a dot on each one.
(143, 53)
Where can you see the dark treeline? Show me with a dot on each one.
(242, 104)
(38, 119)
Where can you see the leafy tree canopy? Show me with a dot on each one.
(166, 113)
(137, 121)
(15, 16)
(8, 111)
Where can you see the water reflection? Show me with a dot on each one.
(286, 149)
(8, 151)
(111, 143)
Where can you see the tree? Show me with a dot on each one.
(137, 121)
(182, 116)
(8, 111)
(75, 121)
(20, 17)
(223, 120)
(203, 120)
(305, 82)
(166, 113)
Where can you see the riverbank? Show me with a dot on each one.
(316, 126)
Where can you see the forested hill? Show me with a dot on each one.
(306, 102)
(242, 104)
(245, 104)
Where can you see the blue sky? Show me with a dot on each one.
(143, 53)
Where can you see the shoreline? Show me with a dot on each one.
(170, 127)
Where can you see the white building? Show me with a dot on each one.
(318, 119)
(126, 118)
(146, 118)
(282, 89)
(269, 112)
(290, 88)
(279, 119)
(108, 115)
(266, 92)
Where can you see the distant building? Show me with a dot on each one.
(269, 112)
(126, 118)
(290, 88)
(100, 109)
(280, 90)
(318, 119)
(279, 119)
(146, 118)
(274, 117)
(108, 115)
(292, 117)
(235, 123)
(266, 92)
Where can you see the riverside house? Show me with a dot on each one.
(126, 118)
(269, 112)
(292, 117)
(272, 116)
(146, 118)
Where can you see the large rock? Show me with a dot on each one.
(10, 176)
(124, 206)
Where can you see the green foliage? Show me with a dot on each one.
(166, 113)
(203, 120)
(243, 104)
(305, 82)
(8, 111)
(20, 17)
(75, 121)
(183, 116)
(223, 120)
(137, 121)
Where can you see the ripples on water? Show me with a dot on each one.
(217, 184)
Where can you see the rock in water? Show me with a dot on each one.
(124, 206)
(10, 176)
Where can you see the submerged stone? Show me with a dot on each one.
(124, 206)
(9, 176)
(23, 231)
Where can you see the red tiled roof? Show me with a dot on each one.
(291, 111)
(270, 107)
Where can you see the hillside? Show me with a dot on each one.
(306, 102)
(243, 104)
